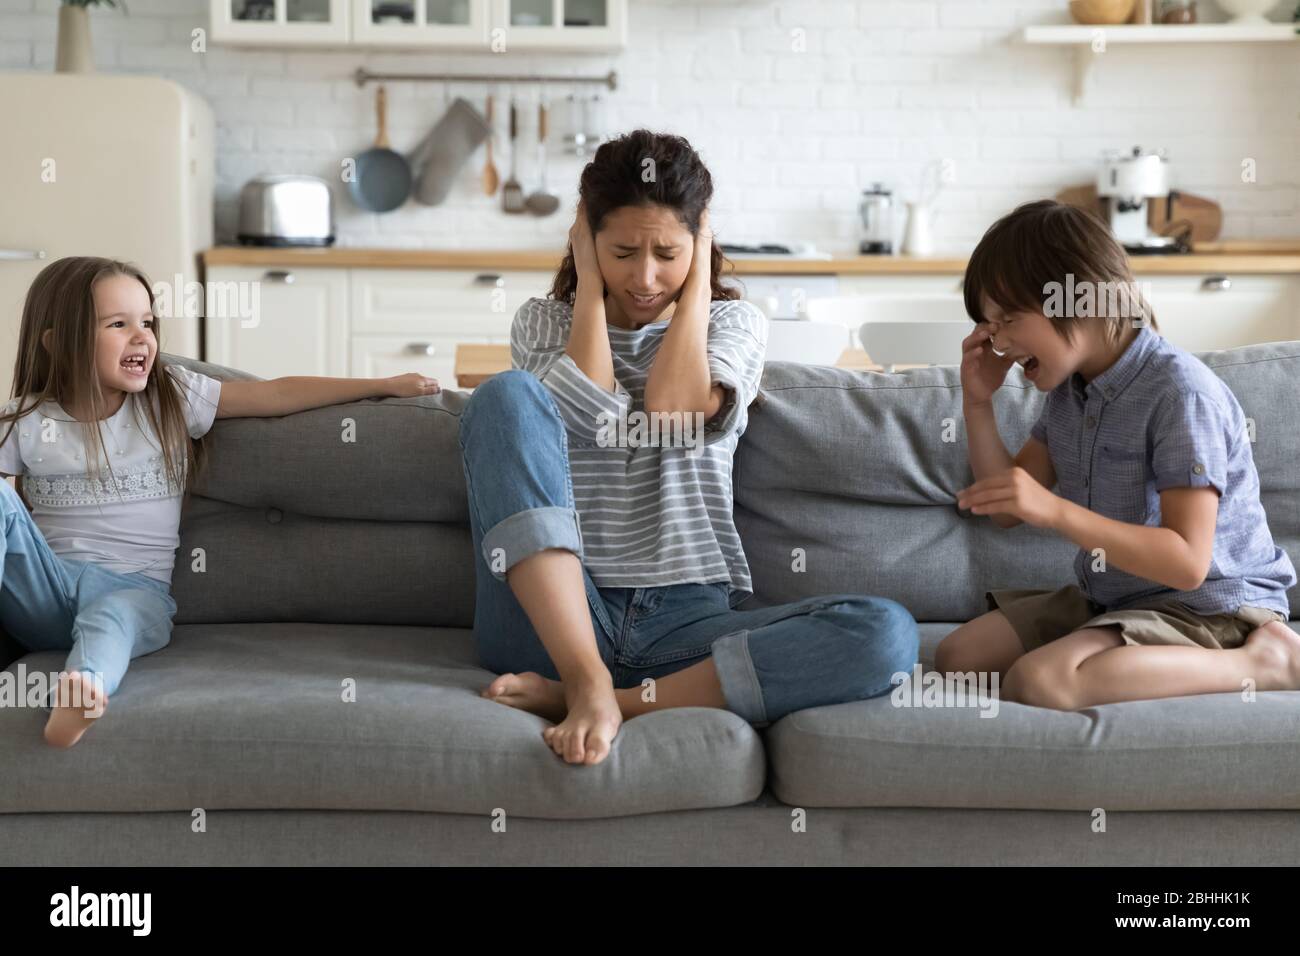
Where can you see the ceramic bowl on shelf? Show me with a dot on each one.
(1102, 12)
(1247, 11)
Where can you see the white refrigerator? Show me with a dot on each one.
(103, 165)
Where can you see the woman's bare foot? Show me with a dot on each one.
(593, 719)
(1276, 649)
(531, 692)
(79, 701)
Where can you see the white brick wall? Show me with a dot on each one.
(791, 137)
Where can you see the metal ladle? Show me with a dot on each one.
(543, 202)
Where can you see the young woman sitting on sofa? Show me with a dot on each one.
(609, 568)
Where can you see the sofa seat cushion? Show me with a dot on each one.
(1211, 752)
(252, 716)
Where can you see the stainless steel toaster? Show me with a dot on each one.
(286, 211)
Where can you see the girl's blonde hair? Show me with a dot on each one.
(62, 302)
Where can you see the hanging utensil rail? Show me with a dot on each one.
(363, 76)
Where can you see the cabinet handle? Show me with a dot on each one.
(22, 254)
(1216, 284)
(279, 275)
(490, 278)
(421, 348)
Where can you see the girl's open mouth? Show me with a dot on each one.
(135, 365)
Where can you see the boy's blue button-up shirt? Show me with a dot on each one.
(1160, 418)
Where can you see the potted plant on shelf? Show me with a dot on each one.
(73, 54)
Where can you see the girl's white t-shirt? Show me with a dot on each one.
(127, 521)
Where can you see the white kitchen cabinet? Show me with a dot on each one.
(380, 356)
(1223, 311)
(279, 22)
(412, 321)
(567, 25)
(277, 321)
(377, 322)
(369, 323)
(499, 26)
(478, 303)
(423, 24)
(937, 284)
(1195, 312)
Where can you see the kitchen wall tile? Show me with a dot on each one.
(797, 105)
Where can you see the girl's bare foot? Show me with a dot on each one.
(1276, 649)
(531, 692)
(588, 730)
(78, 702)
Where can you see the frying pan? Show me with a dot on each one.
(383, 176)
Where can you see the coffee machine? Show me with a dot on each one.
(1126, 185)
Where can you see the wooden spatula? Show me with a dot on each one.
(491, 180)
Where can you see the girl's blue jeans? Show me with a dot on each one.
(48, 603)
(770, 661)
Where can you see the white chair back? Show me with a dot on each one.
(812, 343)
(901, 329)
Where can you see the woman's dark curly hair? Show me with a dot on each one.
(616, 177)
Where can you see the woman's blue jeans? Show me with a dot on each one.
(770, 661)
(47, 603)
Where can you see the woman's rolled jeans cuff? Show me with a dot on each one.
(525, 533)
(740, 686)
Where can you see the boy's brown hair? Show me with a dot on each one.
(62, 302)
(1033, 260)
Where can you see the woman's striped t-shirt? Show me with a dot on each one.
(649, 515)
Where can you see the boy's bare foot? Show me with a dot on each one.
(1276, 649)
(531, 692)
(588, 730)
(78, 702)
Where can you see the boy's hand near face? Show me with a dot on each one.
(982, 371)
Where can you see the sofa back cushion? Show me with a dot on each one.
(847, 482)
(352, 513)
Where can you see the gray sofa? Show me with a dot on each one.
(319, 703)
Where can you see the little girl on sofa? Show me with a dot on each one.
(101, 434)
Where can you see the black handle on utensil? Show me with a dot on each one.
(514, 121)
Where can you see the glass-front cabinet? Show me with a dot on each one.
(280, 22)
(420, 23)
(562, 24)
(499, 25)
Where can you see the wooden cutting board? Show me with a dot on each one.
(1205, 215)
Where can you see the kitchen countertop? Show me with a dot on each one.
(1237, 257)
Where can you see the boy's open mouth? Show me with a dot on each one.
(1030, 366)
(135, 365)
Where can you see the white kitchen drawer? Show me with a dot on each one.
(300, 326)
(1200, 313)
(381, 356)
(937, 285)
(437, 302)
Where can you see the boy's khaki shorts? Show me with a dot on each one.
(1038, 617)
